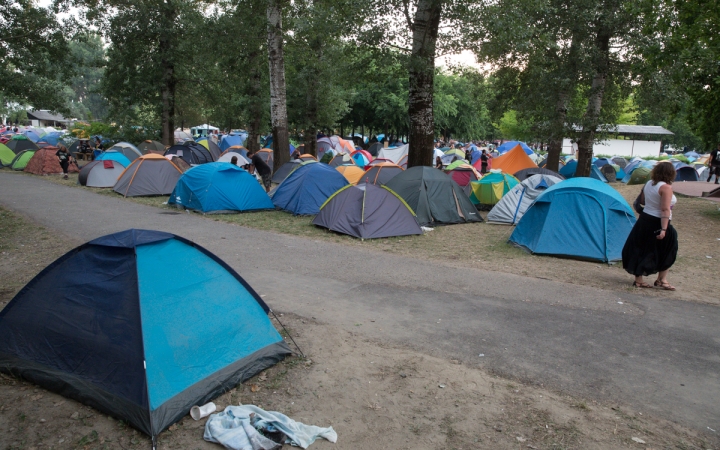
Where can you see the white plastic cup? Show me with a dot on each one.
(198, 412)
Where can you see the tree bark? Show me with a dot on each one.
(253, 141)
(556, 140)
(278, 97)
(421, 82)
(169, 80)
(591, 119)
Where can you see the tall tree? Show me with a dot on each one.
(278, 95)
(150, 55)
(422, 74)
(32, 52)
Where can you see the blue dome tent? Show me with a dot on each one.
(568, 171)
(219, 187)
(134, 342)
(305, 190)
(578, 218)
(113, 155)
(232, 140)
(507, 146)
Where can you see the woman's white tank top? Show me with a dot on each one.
(652, 199)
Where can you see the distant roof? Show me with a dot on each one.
(640, 129)
(45, 115)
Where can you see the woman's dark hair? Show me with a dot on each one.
(62, 147)
(663, 171)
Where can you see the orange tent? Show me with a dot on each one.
(352, 173)
(513, 161)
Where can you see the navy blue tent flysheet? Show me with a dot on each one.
(141, 325)
(305, 190)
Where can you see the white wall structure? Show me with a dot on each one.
(620, 147)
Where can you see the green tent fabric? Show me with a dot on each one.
(6, 155)
(434, 196)
(641, 175)
(489, 189)
(22, 159)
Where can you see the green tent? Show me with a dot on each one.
(489, 189)
(641, 175)
(6, 155)
(21, 160)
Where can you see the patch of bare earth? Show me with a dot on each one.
(375, 395)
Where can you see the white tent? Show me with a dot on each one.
(510, 209)
(241, 160)
(394, 154)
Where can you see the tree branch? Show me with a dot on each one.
(406, 11)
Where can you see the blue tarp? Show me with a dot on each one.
(578, 218)
(599, 162)
(219, 186)
(152, 324)
(506, 147)
(305, 190)
(113, 155)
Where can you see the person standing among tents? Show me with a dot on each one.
(652, 245)
(63, 157)
(714, 165)
(484, 161)
(438, 163)
(257, 164)
(233, 160)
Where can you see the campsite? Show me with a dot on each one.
(363, 224)
(405, 377)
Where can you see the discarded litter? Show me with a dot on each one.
(709, 427)
(708, 256)
(620, 303)
(198, 412)
(236, 428)
(638, 440)
(520, 438)
(426, 229)
(441, 386)
(481, 355)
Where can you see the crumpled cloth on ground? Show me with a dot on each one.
(236, 429)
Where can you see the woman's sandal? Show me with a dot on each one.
(665, 285)
(641, 284)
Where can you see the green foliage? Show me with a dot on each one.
(87, 57)
(32, 50)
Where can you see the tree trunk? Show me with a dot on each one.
(592, 112)
(421, 82)
(169, 80)
(278, 97)
(253, 140)
(311, 117)
(556, 139)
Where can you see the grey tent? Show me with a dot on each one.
(191, 153)
(100, 174)
(285, 170)
(367, 211)
(130, 151)
(512, 206)
(151, 147)
(381, 173)
(434, 196)
(375, 148)
(340, 159)
(524, 174)
(150, 174)
(620, 161)
(609, 172)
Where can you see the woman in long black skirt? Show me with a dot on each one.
(652, 244)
